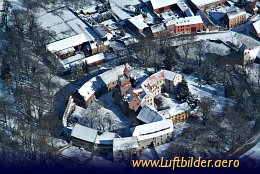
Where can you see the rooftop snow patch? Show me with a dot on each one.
(157, 28)
(73, 59)
(67, 43)
(90, 87)
(152, 130)
(95, 58)
(257, 26)
(138, 21)
(236, 14)
(105, 138)
(149, 115)
(185, 21)
(157, 4)
(125, 143)
(119, 12)
(178, 109)
(84, 133)
(185, 8)
(204, 2)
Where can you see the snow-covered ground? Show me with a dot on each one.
(216, 92)
(252, 157)
(110, 107)
(75, 152)
(55, 142)
(209, 47)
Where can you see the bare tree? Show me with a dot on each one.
(200, 49)
(206, 106)
(4, 108)
(186, 45)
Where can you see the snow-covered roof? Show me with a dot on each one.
(153, 79)
(169, 75)
(73, 59)
(185, 21)
(204, 2)
(256, 25)
(90, 87)
(157, 4)
(149, 114)
(101, 30)
(125, 143)
(157, 28)
(184, 107)
(138, 21)
(236, 14)
(113, 74)
(105, 138)
(90, 10)
(254, 53)
(152, 130)
(95, 58)
(108, 77)
(185, 8)
(67, 43)
(80, 27)
(119, 12)
(84, 133)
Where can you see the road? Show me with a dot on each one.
(247, 146)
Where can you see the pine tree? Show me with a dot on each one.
(182, 91)
(169, 60)
(5, 70)
(5, 12)
(241, 3)
(137, 10)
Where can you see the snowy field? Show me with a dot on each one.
(209, 47)
(216, 92)
(105, 109)
(110, 107)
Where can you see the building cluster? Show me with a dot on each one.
(137, 95)
(88, 32)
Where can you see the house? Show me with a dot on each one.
(104, 142)
(158, 82)
(69, 52)
(186, 25)
(66, 47)
(153, 134)
(235, 18)
(80, 58)
(177, 114)
(91, 89)
(125, 149)
(156, 30)
(110, 77)
(131, 101)
(249, 56)
(205, 4)
(148, 114)
(255, 29)
(160, 6)
(137, 25)
(253, 7)
(103, 32)
(83, 136)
